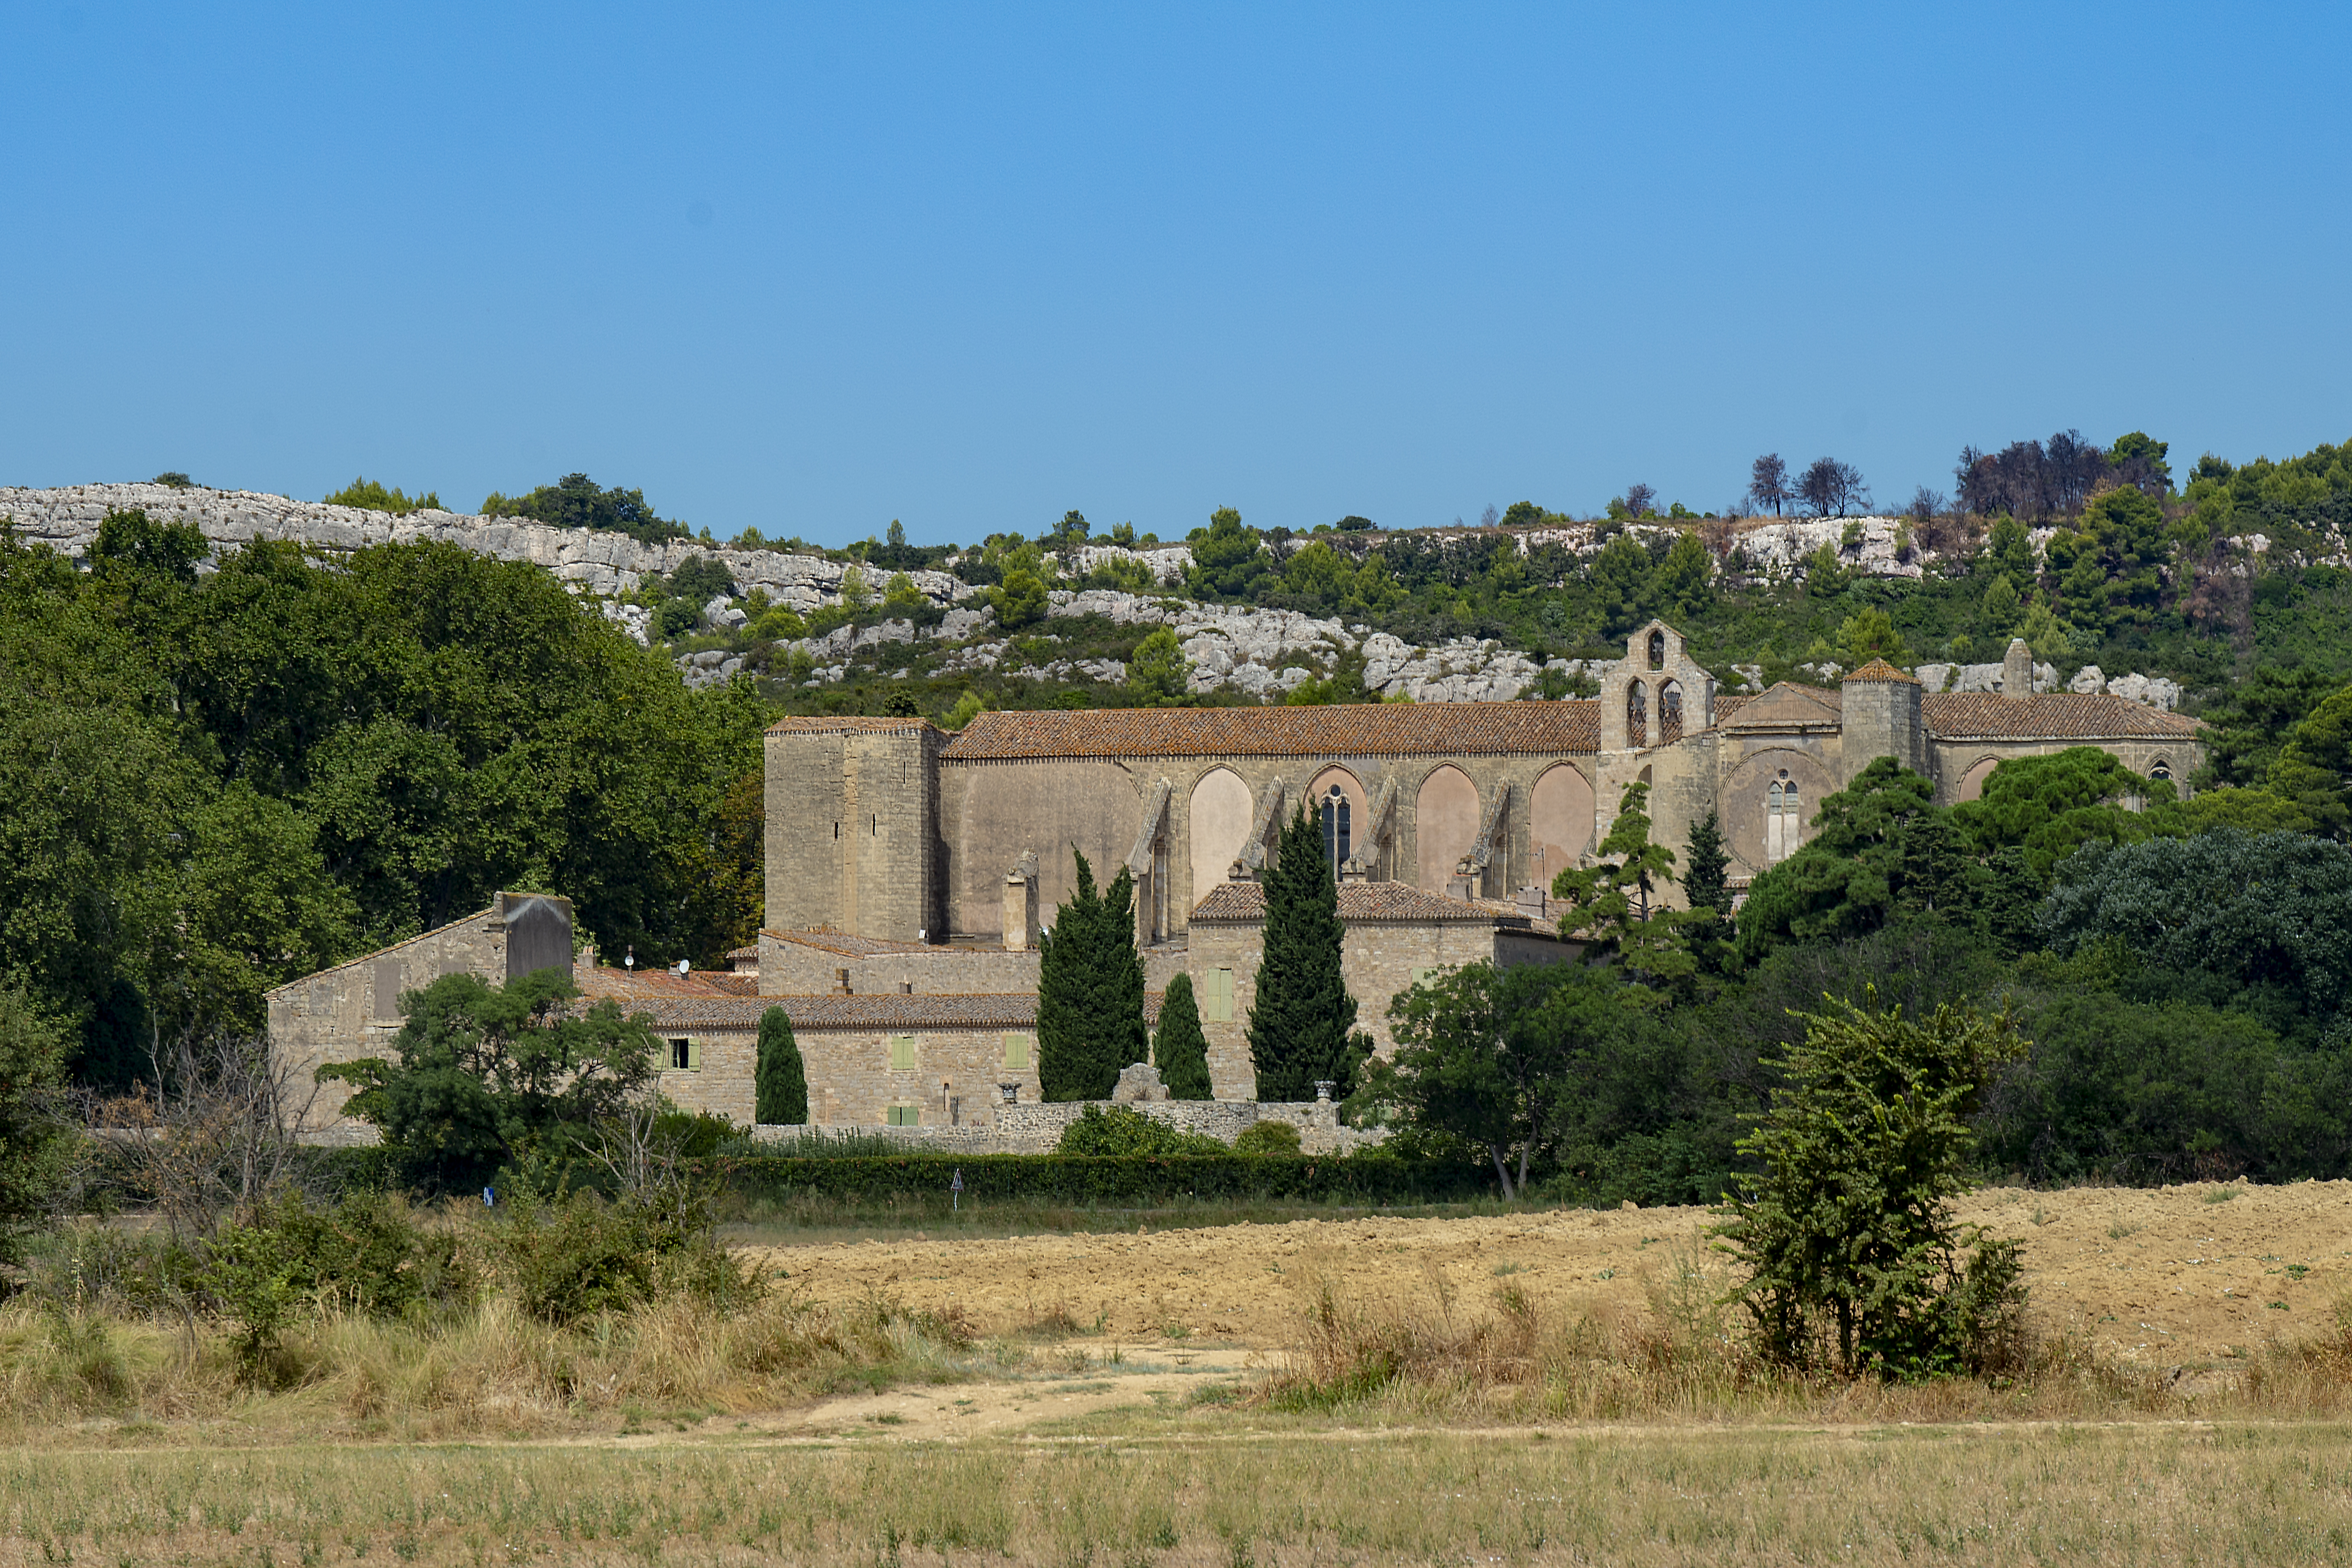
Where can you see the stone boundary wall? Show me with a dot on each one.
(67, 518)
(1034, 1129)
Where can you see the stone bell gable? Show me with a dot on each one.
(1656, 695)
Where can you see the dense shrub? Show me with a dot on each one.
(1267, 1138)
(1121, 1131)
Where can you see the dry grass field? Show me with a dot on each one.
(1556, 1387)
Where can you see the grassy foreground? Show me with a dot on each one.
(2122, 1495)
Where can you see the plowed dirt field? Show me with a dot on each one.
(2170, 1275)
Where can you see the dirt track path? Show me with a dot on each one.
(2167, 1276)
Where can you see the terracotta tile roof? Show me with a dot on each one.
(846, 725)
(886, 1010)
(1879, 669)
(849, 946)
(1363, 903)
(1342, 730)
(1817, 704)
(734, 954)
(2050, 716)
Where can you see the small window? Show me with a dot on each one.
(685, 1056)
(1016, 1053)
(902, 1053)
(1219, 1001)
(905, 1115)
(2160, 768)
(1657, 650)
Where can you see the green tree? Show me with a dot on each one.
(2250, 723)
(1020, 600)
(33, 1139)
(1227, 563)
(1684, 584)
(1302, 1021)
(1853, 1260)
(1090, 991)
(2314, 768)
(1623, 584)
(1159, 672)
(575, 502)
(1869, 633)
(490, 1076)
(1706, 889)
(2048, 806)
(1180, 1050)
(781, 1087)
(1618, 905)
(2258, 923)
(1488, 1056)
(369, 496)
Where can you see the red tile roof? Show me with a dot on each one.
(1364, 903)
(1879, 669)
(1341, 729)
(2050, 716)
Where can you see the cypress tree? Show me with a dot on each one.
(1181, 1049)
(1090, 991)
(1302, 1017)
(780, 1081)
(1707, 866)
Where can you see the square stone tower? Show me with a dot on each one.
(1883, 719)
(853, 808)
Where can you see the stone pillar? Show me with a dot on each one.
(1021, 904)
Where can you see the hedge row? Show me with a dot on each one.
(1121, 1180)
(1104, 1179)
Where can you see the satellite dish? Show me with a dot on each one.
(682, 967)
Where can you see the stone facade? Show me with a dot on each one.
(1475, 799)
(352, 1011)
(1396, 935)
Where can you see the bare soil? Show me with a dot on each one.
(2191, 1275)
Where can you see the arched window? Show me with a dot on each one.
(1338, 830)
(1657, 650)
(1783, 827)
(1670, 713)
(1637, 715)
(2160, 768)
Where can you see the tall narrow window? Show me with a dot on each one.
(1670, 713)
(1783, 827)
(1657, 650)
(1338, 830)
(1637, 715)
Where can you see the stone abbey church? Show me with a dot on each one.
(890, 828)
(909, 870)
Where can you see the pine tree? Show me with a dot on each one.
(1181, 1049)
(780, 1081)
(1090, 991)
(1301, 1023)
(1610, 904)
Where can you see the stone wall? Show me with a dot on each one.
(1034, 1129)
(597, 563)
(788, 968)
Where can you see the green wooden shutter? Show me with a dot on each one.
(902, 1053)
(694, 1053)
(1016, 1053)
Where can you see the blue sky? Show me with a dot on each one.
(811, 269)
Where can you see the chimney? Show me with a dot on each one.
(2017, 669)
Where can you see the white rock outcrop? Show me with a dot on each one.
(607, 564)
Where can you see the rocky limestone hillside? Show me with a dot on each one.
(1253, 652)
(604, 565)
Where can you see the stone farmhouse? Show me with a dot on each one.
(910, 870)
